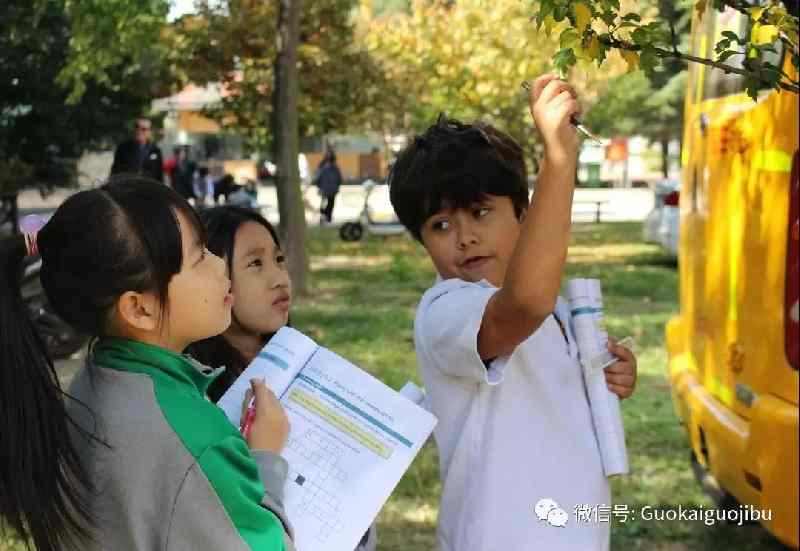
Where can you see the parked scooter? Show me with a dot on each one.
(59, 338)
(377, 216)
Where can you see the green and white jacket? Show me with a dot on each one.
(171, 473)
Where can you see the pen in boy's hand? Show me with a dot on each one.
(573, 120)
(248, 418)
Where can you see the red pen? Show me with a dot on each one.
(249, 417)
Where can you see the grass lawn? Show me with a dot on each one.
(363, 306)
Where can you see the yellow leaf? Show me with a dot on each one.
(583, 16)
(756, 13)
(700, 6)
(778, 14)
(473, 20)
(631, 58)
(793, 36)
(763, 34)
(589, 50)
(593, 49)
(549, 23)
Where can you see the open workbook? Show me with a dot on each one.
(351, 438)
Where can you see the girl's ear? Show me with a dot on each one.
(138, 311)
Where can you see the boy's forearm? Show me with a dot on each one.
(533, 278)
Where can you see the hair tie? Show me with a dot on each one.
(30, 226)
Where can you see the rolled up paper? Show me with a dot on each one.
(413, 393)
(586, 309)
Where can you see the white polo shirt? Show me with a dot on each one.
(508, 435)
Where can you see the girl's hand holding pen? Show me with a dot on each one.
(264, 422)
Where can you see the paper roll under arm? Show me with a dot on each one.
(586, 307)
(413, 393)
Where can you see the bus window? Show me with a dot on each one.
(717, 83)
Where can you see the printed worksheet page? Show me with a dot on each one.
(351, 440)
(278, 364)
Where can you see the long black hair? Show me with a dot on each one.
(100, 243)
(222, 223)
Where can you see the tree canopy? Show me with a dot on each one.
(468, 61)
(111, 40)
(597, 27)
(41, 133)
(236, 44)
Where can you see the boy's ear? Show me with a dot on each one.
(138, 310)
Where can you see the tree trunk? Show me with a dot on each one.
(665, 156)
(9, 211)
(286, 145)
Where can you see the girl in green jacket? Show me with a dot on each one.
(133, 456)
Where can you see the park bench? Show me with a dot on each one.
(596, 207)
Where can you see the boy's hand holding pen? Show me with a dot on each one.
(573, 119)
(553, 104)
(264, 423)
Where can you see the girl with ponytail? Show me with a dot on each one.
(133, 456)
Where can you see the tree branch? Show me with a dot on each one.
(791, 86)
(674, 37)
(791, 46)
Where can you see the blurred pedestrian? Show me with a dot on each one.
(203, 187)
(139, 155)
(183, 172)
(224, 187)
(328, 179)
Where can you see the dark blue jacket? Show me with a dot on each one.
(328, 179)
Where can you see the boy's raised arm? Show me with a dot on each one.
(533, 278)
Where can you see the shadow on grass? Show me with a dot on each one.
(656, 260)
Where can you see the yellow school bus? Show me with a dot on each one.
(733, 348)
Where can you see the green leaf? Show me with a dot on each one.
(601, 55)
(632, 17)
(722, 45)
(608, 17)
(732, 36)
(569, 38)
(752, 86)
(564, 59)
(640, 36)
(545, 10)
(726, 54)
(648, 59)
(560, 13)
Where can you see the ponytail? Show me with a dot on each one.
(42, 484)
